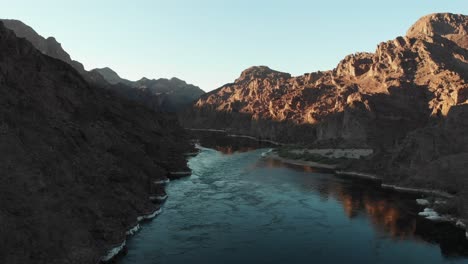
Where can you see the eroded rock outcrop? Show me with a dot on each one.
(406, 82)
(405, 101)
(450, 26)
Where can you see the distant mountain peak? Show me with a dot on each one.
(144, 79)
(50, 46)
(175, 79)
(111, 76)
(450, 26)
(166, 94)
(173, 94)
(432, 58)
(261, 72)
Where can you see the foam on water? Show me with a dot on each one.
(133, 230)
(113, 252)
(149, 216)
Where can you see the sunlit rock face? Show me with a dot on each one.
(453, 27)
(402, 86)
(407, 101)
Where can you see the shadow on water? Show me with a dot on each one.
(391, 213)
(228, 145)
(240, 206)
(394, 214)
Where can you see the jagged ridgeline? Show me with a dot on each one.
(407, 101)
(166, 95)
(78, 165)
(402, 86)
(171, 95)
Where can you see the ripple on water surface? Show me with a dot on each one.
(244, 208)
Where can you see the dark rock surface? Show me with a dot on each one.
(78, 163)
(49, 46)
(111, 76)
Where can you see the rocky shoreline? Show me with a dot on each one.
(301, 162)
(339, 170)
(407, 101)
(457, 220)
(237, 135)
(429, 213)
(79, 164)
(120, 249)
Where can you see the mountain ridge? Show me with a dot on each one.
(400, 100)
(171, 94)
(49, 46)
(167, 101)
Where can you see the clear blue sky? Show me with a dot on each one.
(210, 42)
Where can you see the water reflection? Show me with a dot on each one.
(229, 150)
(247, 208)
(388, 218)
(391, 214)
(226, 144)
(275, 163)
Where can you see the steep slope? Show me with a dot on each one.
(78, 164)
(408, 101)
(48, 46)
(406, 82)
(160, 95)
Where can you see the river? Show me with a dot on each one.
(241, 207)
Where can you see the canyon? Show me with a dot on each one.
(87, 154)
(408, 101)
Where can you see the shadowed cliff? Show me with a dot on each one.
(78, 163)
(160, 95)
